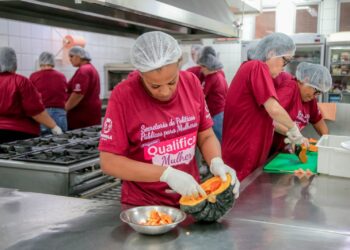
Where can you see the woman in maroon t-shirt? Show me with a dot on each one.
(52, 86)
(21, 107)
(84, 104)
(252, 105)
(153, 122)
(298, 97)
(214, 86)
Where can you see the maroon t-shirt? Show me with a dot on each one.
(19, 101)
(197, 71)
(86, 82)
(302, 113)
(281, 78)
(214, 88)
(163, 133)
(53, 87)
(247, 127)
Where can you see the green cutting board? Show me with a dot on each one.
(287, 163)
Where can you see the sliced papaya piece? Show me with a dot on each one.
(313, 148)
(300, 151)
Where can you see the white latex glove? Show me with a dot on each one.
(219, 168)
(56, 130)
(304, 141)
(182, 183)
(295, 137)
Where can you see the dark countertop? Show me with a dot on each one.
(274, 211)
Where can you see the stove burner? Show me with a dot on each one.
(8, 151)
(64, 155)
(85, 139)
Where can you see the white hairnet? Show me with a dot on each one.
(81, 52)
(209, 59)
(153, 50)
(251, 49)
(314, 75)
(8, 60)
(275, 44)
(46, 58)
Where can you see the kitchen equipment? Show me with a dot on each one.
(309, 48)
(345, 144)
(114, 74)
(67, 164)
(338, 62)
(333, 159)
(287, 163)
(137, 215)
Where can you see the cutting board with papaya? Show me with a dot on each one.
(304, 158)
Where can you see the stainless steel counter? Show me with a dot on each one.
(273, 212)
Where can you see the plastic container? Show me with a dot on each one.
(332, 158)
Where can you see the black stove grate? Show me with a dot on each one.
(41, 149)
(64, 155)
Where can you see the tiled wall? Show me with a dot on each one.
(328, 16)
(230, 56)
(29, 40)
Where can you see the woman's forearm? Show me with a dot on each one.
(321, 127)
(209, 145)
(278, 113)
(279, 128)
(128, 169)
(73, 101)
(45, 119)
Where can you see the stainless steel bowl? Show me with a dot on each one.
(137, 215)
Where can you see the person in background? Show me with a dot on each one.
(252, 105)
(52, 86)
(83, 105)
(192, 61)
(214, 86)
(154, 121)
(21, 107)
(298, 96)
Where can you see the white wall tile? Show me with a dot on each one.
(37, 31)
(28, 62)
(4, 26)
(26, 45)
(329, 13)
(329, 4)
(58, 34)
(56, 46)
(14, 28)
(46, 32)
(15, 43)
(37, 46)
(47, 46)
(29, 40)
(4, 40)
(25, 29)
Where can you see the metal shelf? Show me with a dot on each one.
(340, 63)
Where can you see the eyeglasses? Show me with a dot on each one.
(286, 60)
(316, 92)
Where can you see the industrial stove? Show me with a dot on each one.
(67, 164)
